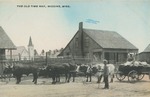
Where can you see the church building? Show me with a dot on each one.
(21, 53)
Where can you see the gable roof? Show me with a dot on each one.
(18, 51)
(109, 39)
(106, 39)
(147, 49)
(5, 41)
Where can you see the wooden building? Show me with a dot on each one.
(145, 55)
(98, 45)
(5, 44)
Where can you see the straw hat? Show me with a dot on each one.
(105, 61)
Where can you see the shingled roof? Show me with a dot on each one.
(109, 39)
(147, 49)
(5, 41)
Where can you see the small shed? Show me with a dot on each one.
(145, 55)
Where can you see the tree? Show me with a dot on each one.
(54, 52)
(35, 52)
(43, 52)
(49, 52)
(61, 50)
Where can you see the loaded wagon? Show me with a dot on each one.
(135, 71)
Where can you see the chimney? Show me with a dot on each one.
(80, 26)
(81, 38)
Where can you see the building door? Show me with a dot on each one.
(106, 56)
(2, 54)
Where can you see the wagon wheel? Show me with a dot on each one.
(120, 76)
(140, 76)
(133, 76)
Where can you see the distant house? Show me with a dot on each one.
(145, 55)
(5, 44)
(21, 53)
(98, 45)
(51, 53)
(54, 54)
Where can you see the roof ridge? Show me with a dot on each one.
(99, 30)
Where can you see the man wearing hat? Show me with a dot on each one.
(106, 74)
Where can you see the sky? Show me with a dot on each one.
(53, 27)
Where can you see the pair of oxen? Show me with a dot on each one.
(56, 70)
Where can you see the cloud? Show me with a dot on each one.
(91, 21)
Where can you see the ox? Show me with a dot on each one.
(55, 70)
(19, 69)
(98, 69)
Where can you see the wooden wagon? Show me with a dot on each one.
(133, 71)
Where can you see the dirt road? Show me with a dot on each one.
(44, 88)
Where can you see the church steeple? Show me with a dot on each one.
(31, 49)
(30, 42)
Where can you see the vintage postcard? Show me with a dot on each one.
(74, 48)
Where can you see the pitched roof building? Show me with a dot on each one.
(98, 45)
(147, 49)
(145, 55)
(5, 43)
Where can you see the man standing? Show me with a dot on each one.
(89, 72)
(130, 58)
(106, 74)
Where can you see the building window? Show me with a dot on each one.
(87, 42)
(77, 42)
